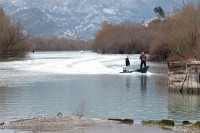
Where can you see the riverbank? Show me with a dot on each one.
(75, 123)
(53, 123)
(168, 124)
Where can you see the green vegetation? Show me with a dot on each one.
(160, 123)
(159, 12)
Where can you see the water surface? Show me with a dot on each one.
(46, 83)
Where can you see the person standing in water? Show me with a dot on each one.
(127, 62)
(143, 59)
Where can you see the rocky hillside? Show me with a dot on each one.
(80, 18)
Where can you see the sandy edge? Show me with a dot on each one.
(65, 123)
(53, 123)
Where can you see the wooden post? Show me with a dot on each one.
(181, 90)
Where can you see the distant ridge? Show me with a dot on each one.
(81, 18)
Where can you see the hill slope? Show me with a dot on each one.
(80, 18)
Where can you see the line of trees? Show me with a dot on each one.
(177, 34)
(57, 44)
(121, 38)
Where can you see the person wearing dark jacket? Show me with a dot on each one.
(127, 62)
(143, 59)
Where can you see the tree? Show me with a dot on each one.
(177, 35)
(159, 12)
(184, 31)
(12, 37)
(121, 38)
(159, 49)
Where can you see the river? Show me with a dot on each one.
(46, 83)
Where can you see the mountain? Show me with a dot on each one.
(81, 18)
(36, 21)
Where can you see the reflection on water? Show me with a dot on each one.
(122, 128)
(143, 81)
(50, 82)
(128, 79)
(184, 106)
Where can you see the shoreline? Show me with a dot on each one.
(52, 123)
(68, 123)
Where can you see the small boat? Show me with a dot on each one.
(141, 70)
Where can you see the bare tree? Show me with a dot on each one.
(121, 38)
(12, 38)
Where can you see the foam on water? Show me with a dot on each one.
(74, 63)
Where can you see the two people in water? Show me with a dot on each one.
(143, 59)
